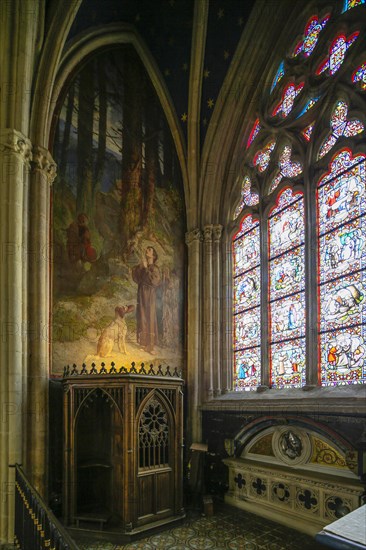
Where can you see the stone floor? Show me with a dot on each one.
(227, 529)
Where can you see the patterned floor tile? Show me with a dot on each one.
(227, 529)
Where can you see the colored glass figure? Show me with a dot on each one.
(247, 329)
(287, 169)
(349, 4)
(311, 34)
(247, 197)
(287, 315)
(290, 92)
(342, 250)
(246, 299)
(337, 52)
(340, 126)
(287, 273)
(341, 192)
(343, 356)
(286, 223)
(342, 277)
(246, 290)
(253, 133)
(261, 158)
(309, 104)
(247, 367)
(359, 75)
(308, 131)
(279, 74)
(288, 365)
(286, 233)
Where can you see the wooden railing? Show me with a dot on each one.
(36, 527)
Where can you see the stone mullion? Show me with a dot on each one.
(265, 332)
(42, 175)
(311, 284)
(15, 153)
(207, 389)
(227, 337)
(194, 375)
(217, 301)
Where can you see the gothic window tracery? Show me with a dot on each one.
(299, 255)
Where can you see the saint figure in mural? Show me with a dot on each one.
(147, 276)
(79, 245)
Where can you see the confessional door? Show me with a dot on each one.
(122, 450)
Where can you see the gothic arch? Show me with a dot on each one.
(111, 35)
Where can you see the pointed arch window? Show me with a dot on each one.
(299, 247)
(286, 275)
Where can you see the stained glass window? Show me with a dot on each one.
(286, 291)
(299, 283)
(306, 132)
(254, 132)
(287, 168)
(309, 104)
(279, 75)
(246, 254)
(349, 4)
(337, 53)
(261, 158)
(360, 76)
(311, 34)
(340, 126)
(248, 197)
(342, 276)
(290, 92)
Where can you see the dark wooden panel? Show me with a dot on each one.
(145, 496)
(164, 492)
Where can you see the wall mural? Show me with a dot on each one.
(118, 221)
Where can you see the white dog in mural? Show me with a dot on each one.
(115, 332)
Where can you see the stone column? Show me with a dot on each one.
(193, 241)
(40, 267)
(207, 329)
(15, 154)
(217, 308)
(227, 336)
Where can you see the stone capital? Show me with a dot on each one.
(217, 232)
(43, 161)
(207, 233)
(14, 142)
(193, 236)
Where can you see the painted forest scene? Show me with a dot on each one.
(118, 221)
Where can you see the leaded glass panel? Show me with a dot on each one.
(247, 329)
(286, 225)
(287, 273)
(343, 301)
(359, 75)
(246, 290)
(288, 364)
(247, 371)
(343, 250)
(343, 356)
(288, 317)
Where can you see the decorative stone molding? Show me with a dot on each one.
(43, 161)
(12, 141)
(217, 232)
(193, 236)
(289, 496)
(207, 233)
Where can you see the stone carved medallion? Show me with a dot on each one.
(291, 445)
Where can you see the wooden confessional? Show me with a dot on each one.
(123, 442)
